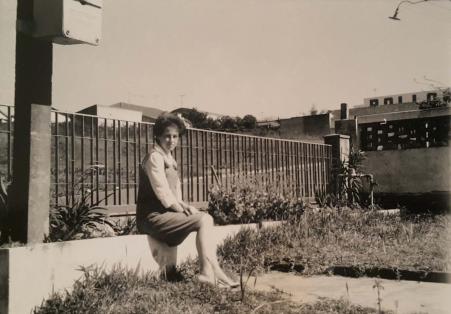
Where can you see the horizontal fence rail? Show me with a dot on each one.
(98, 158)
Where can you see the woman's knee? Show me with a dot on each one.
(206, 221)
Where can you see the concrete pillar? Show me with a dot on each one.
(29, 200)
(348, 127)
(340, 148)
(340, 154)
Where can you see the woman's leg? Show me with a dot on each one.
(206, 248)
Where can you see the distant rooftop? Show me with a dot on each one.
(149, 113)
(183, 110)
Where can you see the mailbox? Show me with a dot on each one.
(68, 22)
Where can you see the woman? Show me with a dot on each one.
(160, 210)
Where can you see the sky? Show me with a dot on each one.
(269, 58)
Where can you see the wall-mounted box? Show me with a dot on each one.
(68, 22)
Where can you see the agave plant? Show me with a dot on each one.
(80, 220)
(348, 182)
(69, 222)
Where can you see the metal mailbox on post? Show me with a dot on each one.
(68, 22)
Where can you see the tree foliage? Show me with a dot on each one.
(201, 120)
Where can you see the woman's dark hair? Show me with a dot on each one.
(167, 119)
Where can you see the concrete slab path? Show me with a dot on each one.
(398, 296)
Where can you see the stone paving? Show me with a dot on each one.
(398, 296)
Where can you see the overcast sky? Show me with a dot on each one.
(264, 57)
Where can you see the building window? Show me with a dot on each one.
(414, 98)
(406, 134)
(399, 99)
(388, 101)
(431, 96)
(374, 102)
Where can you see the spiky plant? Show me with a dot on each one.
(70, 222)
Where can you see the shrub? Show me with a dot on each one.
(250, 200)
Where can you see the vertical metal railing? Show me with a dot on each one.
(101, 156)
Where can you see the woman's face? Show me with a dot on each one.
(170, 138)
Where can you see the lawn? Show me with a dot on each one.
(316, 239)
(328, 237)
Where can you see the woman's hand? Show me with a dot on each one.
(188, 209)
(177, 207)
(191, 210)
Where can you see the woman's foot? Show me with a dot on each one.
(217, 282)
(206, 279)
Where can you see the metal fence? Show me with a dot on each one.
(99, 158)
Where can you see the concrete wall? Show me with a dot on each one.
(30, 274)
(421, 170)
(306, 127)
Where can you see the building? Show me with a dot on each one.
(407, 151)
(149, 114)
(315, 127)
(112, 113)
(414, 98)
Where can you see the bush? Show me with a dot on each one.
(250, 200)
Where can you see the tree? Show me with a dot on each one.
(228, 122)
(196, 117)
(442, 100)
(249, 122)
(212, 124)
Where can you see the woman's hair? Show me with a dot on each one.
(167, 119)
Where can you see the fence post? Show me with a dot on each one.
(30, 195)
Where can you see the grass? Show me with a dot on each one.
(317, 239)
(349, 237)
(124, 291)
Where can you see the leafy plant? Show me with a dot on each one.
(82, 219)
(252, 200)
(79, 221)
(125, 227)
(348, 182)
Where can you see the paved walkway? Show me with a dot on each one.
(398, 296)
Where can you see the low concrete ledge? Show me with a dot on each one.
(30, 274)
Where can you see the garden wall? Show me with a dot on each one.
(421, 175)
(30, 274)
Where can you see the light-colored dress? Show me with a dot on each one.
(159, 189)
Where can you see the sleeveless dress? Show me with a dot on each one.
(153, 218)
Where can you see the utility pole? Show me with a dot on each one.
(30, 194)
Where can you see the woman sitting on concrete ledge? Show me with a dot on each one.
(160, 210)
